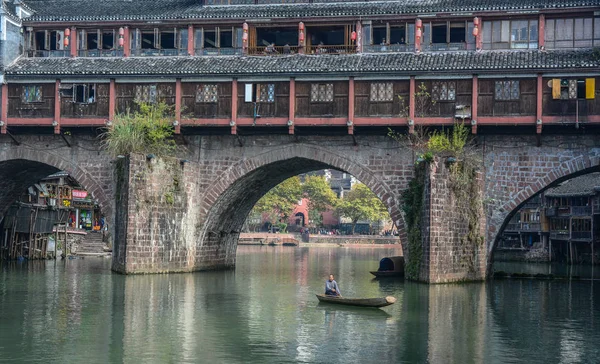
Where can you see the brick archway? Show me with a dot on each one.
(567, 170)
(21, 168)
(232, 195)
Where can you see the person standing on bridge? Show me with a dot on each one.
(331, 287)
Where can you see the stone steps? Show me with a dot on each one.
(91, 244)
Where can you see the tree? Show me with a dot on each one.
(361, 204)
(281, 199)
(320, 196)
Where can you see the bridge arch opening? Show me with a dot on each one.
(229, 201)
(36, 195)
(558, 223)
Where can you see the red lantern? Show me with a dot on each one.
(353, 36)
(476, 21)
(121, 31)
(66, 42)
(419, 33)
(245, 27)
(301, 37)
(301, 26)
(475, 31)
(67, 32)
(121, 41)
(419, 23)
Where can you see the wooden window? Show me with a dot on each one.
(84, 93)
(32, 93)
(206, 94)
(572, 33)
(265, 92)
(382, 92)
(145, 93)
(507, 90)
(506, 34)
(443, 91)
(322, 92)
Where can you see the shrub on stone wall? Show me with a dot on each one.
(147, 131)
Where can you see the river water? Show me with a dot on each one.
(265, 311)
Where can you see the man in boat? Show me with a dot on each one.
(331, 287)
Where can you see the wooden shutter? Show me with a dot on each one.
(590, 88)
(82, 39)
(99, 41)
(156, 38)
(47, 40)
(556, 88)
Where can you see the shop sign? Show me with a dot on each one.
(79, 194)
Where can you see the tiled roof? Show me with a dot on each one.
(355, 64)
(586, 185)
(78, 10)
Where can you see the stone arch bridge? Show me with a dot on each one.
(184, 214)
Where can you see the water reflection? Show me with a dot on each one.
(265, 311)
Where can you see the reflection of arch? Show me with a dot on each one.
(233, 194)
(564, 172)
(20, 168)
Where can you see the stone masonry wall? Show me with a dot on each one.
(448, 256)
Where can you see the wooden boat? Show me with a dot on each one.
(390, 267)
(362, 302)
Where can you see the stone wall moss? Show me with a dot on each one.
(412, 206)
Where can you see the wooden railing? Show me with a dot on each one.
(158, 52)
(100, 53)
(217, 51)
(381, 48)
(273, 51)
(331, 49)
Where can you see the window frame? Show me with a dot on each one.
(86, 93)
(152, 93)
(26, 92)
(491, 43)
(202, 89)
(270, 96)
(322, 95)
(435, 96)
(551, 33)
(510, 97)
(375, 92)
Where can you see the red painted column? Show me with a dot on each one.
(418, 34)
(411, 105)
(112, 100)
(127, 42)
(475, 93)
(73, 41)
(538, 113)
(178, 106)
(542, 32)
(57, 107)
(292, 109)
(4, 117)
(479, 37)
(351, 106)
(190, 45)
(234, 106)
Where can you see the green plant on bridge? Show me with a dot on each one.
(147, 131)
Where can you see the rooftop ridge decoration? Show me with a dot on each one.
(113, 10)
(355, 64)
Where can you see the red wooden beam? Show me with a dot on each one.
(379, 121)
(307, 121)
(82, 122)
(234, 106)
(4, 117)
(542, 31)
(31, 121)
(539, 109)
(57, 107)
(206, 122)
(126, 42)
(112, 100)
(411, 105)
(292, 108)
(351, 105)
(263, 121)
(474, 93)
(73, 42)
(190, 44)
(178, 106)
(506, 120)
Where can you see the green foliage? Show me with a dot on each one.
(361, 204)
(319, 193)
(147, 131)
(281, 199)
(449, 142)
(412, 206)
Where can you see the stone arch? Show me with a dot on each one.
(567, 170)
(20, 168)
(233, 194)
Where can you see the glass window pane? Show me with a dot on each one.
(596, 28)
(505, 32)
(549, 30)
(487, 32)
(533, 30)
(588, 28)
